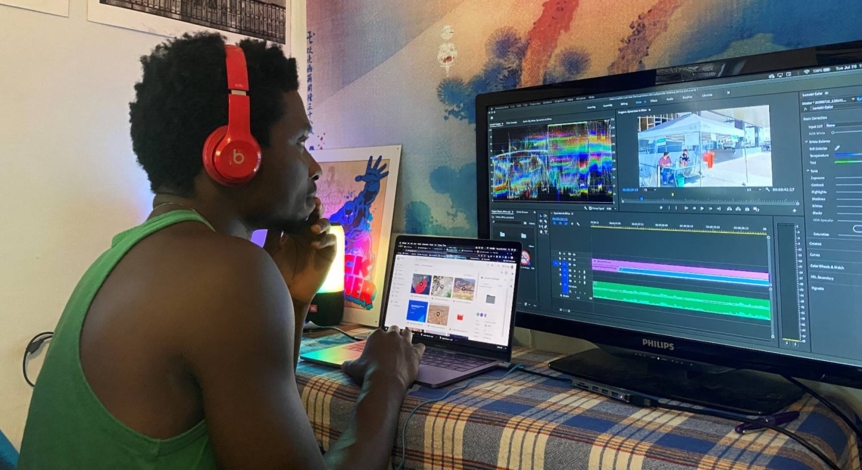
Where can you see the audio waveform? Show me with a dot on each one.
(731, 305)
(691, 273)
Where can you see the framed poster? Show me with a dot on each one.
(357, 189)
(235, 19)
(52, 7)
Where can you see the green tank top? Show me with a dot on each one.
(67, 426)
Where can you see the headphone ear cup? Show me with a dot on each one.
(236, 160)
(209, 152)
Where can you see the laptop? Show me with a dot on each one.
(458, 297)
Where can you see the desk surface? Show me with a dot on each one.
(530, 422)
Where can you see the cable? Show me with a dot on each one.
(825, 401)
(435, 400)
(32, 346)
(560, 378)
(718, 414)
(310, 330)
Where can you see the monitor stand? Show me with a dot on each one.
(739, 391)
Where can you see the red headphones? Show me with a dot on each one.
(231, 154)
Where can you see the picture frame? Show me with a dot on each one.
(131, 14)
(51, 7)
(358, 192)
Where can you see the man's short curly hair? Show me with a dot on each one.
(182, 98)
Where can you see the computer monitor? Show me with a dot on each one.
(703, 214)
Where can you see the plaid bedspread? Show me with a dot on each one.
(530, 422)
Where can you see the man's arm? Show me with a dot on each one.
(300, 312)
(241, 350)
(374, 424)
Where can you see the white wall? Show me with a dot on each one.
(68, 180)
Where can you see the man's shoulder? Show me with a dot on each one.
(230, 252)
(215, 270)
(228, 287)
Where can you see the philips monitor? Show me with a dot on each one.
(707, 216)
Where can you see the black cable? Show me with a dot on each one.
(560, 378)
(32, 346)
(311, 330)
(734, 417)
(825, 401)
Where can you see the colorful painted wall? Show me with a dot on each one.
(406, 72)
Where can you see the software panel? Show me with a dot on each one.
(727, 211)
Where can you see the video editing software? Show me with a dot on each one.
(727, 210)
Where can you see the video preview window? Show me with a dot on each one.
(720, 148)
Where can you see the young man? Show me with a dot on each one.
(178, 348)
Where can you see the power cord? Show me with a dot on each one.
(311, 330)
(32, 347)
(560, 378)
(825, 401)
(717, 414)
(435, 400)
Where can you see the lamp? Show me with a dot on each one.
(327, 307)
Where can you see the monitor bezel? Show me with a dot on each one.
(683, 349)
(462, 346)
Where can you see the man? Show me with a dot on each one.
(178, 348)
(664, 164)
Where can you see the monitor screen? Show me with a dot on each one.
(462, 292)
(726, 211)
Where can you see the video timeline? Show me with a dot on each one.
(672, 271)
(718, 304)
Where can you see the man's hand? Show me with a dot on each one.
(303, 258)
(389, 354)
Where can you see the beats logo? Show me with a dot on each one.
(238, 157)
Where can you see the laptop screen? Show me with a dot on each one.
(454, 290)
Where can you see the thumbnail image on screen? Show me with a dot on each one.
(569, 162)
(441, 286)
(712, 148)
(465, 289)
(421, 284)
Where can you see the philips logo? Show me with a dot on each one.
(658, 344)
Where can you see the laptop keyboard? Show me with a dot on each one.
(438, 358)
(452, 361)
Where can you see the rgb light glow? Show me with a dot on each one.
(335, 279)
